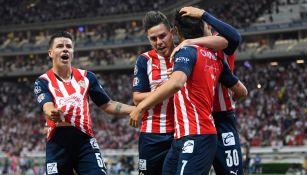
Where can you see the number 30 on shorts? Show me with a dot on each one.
(232, 157)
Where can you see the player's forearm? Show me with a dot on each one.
(167, 90)
(117, 108)
(139, 96)
(213, 42)
(224, 29)
(239, 90)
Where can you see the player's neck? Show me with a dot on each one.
(64, 73)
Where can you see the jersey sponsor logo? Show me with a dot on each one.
(73, 100)
(81, 83)
(37, 89)
(136, 81)
(188, 146)
(155, 66)
(142, 164)
(40, 98)
(94, 143)
(228, 139)
(208, 54)
(234, 172)
(135, 70)
(182, 60)
(52, 168)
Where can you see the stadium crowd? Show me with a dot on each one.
(274, 114)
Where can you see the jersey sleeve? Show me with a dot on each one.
(229, 32)
(96, 91)
(227, 78)
(41, 92)
(185, 59)
(140, 80)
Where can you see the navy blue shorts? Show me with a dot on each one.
(191, 155)
(152, 152)
(228, 159)
(69, 149)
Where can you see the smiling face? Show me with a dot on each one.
(61, 52)
(161, 39)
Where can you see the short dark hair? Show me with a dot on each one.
(153, 18)
(60, 34)
(189, 27)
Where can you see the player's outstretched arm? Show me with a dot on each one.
(117, 108)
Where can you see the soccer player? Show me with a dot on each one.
(196, 73)
(63, 93)
(228, 159)
(157, 128)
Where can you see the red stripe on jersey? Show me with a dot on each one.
(144, 121)
(179, 117)
(54, 83)
(222, 99)
(156, 71)
(156, 119)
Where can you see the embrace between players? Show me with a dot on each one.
(187, 118)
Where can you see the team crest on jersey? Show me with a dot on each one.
(40, 98)
(142, 164)
(228, 139)
(136, 81)
(52, 168)
(37, 89)
(188, 146)
(81, 83)
(94, 143)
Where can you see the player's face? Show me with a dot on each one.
(61, 52)
(161, 39)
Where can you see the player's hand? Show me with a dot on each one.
(135, 117)
(55, 115)
(192, 12)
(180, 46)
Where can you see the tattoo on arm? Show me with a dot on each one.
(118, 107)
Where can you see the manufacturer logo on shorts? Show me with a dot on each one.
(188, 146)
(52, 168)
(142, 164)
(228, 139)
(94, 143)
(234, 172)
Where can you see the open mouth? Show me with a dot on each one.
(65, 57)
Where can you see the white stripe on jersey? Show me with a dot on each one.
(177, 129)
(221, 97)
(149, 121)
(184, 114)
(78, 90)
(163, 116)
(163, 68)
(194, 109)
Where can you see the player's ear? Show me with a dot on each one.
(174, 30)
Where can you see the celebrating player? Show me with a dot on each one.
(157, 128)
(63, 93)
(228, 155)
(196, 72)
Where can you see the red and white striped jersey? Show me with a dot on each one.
(223, 100)
(71, 97)
(194, 101)
(150, 72)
